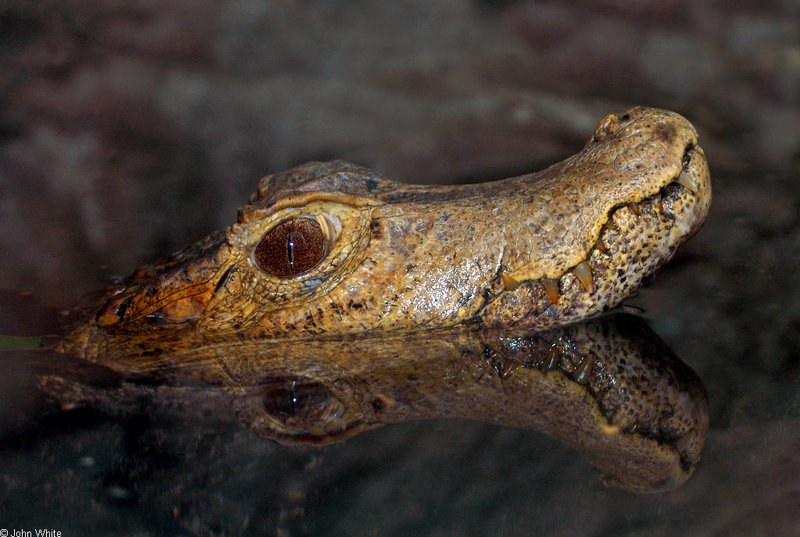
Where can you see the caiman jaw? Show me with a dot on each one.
(614, 266)
(652, 207)
(534, 252)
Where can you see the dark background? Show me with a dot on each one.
(130, 129)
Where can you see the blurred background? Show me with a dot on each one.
(130, 129)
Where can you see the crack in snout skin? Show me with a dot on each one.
(535, 251)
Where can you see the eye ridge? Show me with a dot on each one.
(292, 247)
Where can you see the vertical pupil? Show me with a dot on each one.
(292, 247)
(289, 248)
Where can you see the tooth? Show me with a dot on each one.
(636, 209)
(686, 181)
(584, 273)
(552, 359)
(600, 245)
(551, 288)
(584, 370)
(509, 282)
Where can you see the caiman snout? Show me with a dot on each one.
(333, 248)
(173, 291)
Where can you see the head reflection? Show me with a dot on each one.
(609, 388)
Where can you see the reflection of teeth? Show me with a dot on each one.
(686, 181)
(509, 282)
(506, 369)
(551, 288)
(584, 273)
(553, 357)
(584, 370)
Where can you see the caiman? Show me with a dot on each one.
(608, 388)
(328, 249)
(340, 301)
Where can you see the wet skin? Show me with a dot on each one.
(332, 248)
(340, 301)
(608, 388)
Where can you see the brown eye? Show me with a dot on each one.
(292, 247)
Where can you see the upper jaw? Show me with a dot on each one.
(619, 260)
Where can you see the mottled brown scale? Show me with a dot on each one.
(419, 257)
(304, 311)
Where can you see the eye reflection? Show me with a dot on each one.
(296, 399)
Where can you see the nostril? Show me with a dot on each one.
(687, 156)
(608, 126)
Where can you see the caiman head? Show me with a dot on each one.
(332, 248)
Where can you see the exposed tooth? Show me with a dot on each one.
(509, 282)
(686, 181)
(637, 210)
(600, 245)
(584, 273)
(551, 288)
(552, 359)
(584, 370)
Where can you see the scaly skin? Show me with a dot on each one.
(408, 257)
(609, 388)
(421, 302)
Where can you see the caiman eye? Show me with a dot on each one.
(292, 247)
